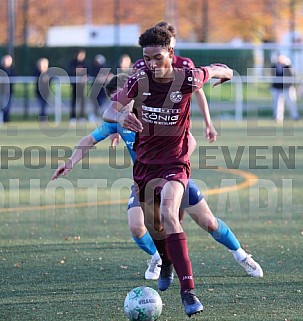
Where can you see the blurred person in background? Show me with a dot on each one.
(125, 64)
(283, 89)
(78, 68)
(42, 86)
(6, 86)
(100, 74)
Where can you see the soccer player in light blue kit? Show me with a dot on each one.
(193, 202)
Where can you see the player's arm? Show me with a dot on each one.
(127, 119)
(210, 132)
(122, 101)
(220, 71)
(116, 137)
(81, 150)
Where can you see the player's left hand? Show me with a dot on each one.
(63, 169)
(220, 81)
(114, 139)
(227, 73)
(211, 134)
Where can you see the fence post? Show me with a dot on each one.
(58, 100)
(238, 99)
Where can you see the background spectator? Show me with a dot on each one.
(42, 86)
(6, 87)
(100, 74)
(125, 64)
(283, 89)
(78, 68)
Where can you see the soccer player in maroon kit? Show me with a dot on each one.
(184, 62)
(161, 110)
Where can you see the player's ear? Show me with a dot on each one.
(171, 52)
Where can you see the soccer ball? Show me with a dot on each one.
(143, 304)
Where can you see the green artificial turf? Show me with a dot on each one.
(66, 252)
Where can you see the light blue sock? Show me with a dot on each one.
(225, 236)
(146, 243)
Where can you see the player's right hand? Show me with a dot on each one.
(129, 121)
(211, 134)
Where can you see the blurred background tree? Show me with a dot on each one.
(196, 20)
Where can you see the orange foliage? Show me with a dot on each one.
(249, 20)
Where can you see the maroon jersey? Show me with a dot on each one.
(164, 110)
(182, 62)
(178, 62)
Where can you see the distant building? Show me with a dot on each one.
(90, 35)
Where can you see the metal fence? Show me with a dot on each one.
(59, 104)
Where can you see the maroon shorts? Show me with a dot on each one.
(150, 178)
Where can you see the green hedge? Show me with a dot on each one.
(26, 57)
(238, 60)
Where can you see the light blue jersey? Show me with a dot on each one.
(107, 129)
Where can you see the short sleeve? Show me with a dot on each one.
(104, 131)
(197, 77)
(188, 63)
(136, 83)
(139, 64)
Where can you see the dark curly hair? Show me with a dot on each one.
(155, 37)
(168, 26)
(116, 83)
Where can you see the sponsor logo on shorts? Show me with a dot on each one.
(131, 201)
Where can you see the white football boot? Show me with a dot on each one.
(251, 267)
(153, 270)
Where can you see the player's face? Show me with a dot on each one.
(158, 60)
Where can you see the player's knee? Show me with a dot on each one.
(154, 227)
(171, 224)
(158, 226)
(137, 231)
(212, 225)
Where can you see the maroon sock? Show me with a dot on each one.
(178, 252)
(161, 246)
